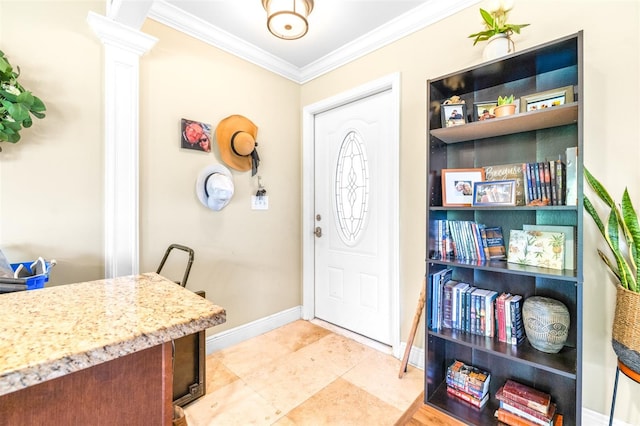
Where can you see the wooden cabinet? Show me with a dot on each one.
(525, 137)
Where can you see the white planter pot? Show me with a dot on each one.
(497, 46)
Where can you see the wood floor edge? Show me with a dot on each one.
(413, 408)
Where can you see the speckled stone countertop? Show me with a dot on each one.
(55, 331)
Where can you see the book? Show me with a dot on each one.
(447, 302)
(468, 379)
(526, 412)
(511, 419)
(508, 172)
(456, 308)
(530, 183)
(507, 318)
(517, 323)
(490, 308)
(569, 240)
(527, 396)
(561, 182)
(502, 337)
(478, 403)
(554, 187)
(536, 248)
(571, 177)
(547, 180)
(495, 242)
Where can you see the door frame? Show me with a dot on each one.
(389, 82)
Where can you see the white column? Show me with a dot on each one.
(123, 47)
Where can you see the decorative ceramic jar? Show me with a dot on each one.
(497, 46)
(546, 323)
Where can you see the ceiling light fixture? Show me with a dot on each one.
(287, 19)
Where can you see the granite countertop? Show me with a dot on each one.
(54, 331)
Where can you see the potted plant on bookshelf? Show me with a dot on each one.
(506, 106)
(625, 250)
(497, 32)
(16, 103)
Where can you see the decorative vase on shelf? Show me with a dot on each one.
(546, 323)
(497, 46)
(504, 110)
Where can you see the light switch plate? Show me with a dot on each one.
(260, 203)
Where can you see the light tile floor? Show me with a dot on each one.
(303, 374)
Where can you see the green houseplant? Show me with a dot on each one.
(495, 22)
(16, 103)
(621, 232)
(506, 106)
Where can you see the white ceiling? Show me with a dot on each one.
(339, 30)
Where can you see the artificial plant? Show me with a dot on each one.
(16, 103)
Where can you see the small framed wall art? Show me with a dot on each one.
(548, 99)
(195, 135)
(495, 193)
(457, 186)
(453, 114)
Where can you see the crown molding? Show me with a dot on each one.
(197, 28)
(416, 19)
(408, 23)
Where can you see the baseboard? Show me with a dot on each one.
(247, 331)
(593, 418)
(416, 356)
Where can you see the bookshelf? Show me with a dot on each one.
(521, 138)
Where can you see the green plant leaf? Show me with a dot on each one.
(18, 111)
(627, 221)
(488, 19)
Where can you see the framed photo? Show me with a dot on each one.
(195, 135)
(484, 110)
(457, 186)
(548, 99)
(495, 193)
(453, 114)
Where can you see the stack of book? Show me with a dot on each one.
(465, 240)
(509, 317)
(468, 383)
(524, 405)
(462, 307)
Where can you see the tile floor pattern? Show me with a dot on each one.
(303, 374)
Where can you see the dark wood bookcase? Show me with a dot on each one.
(525, 137)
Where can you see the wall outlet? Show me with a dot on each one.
(260, 203)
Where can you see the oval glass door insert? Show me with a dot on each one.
(351, 188)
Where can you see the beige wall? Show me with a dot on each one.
(51, 197)
(247, 261)
(611, 59)
(51, 181)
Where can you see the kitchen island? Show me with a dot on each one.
(97, 352)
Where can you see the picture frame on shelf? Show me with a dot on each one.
(495, 193)
(453, 114)
(484, 110)
(457, 186)
(547, 99)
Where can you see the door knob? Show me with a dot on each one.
(318, 232)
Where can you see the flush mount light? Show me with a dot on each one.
(287, 19)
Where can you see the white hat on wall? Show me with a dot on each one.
(214, 187)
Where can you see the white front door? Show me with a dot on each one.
(354, 205)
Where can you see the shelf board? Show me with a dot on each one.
(503, 266)
(517, 123)
(563, 363)
(502, 208)
(461, 410)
